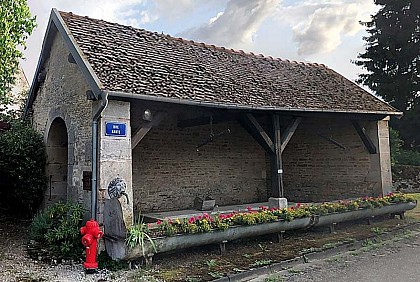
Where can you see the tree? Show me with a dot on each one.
(16, 24)
(392, 61)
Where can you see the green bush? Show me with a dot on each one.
(22, 168)
(407, 157)
(57, 228)
(398, 154)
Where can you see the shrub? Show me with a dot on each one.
(407, 157)
(22, 169)
(138, 234)
(398, 154)
(57, 228)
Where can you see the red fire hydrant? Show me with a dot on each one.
(91, 233)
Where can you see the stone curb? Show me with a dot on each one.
(305, 258)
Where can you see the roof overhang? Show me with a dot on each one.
(377, 115)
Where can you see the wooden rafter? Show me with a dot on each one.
(365, 138)
(139, 134)
(290, 130)
(256, 131)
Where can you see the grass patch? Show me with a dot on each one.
(414, 214)
(274, 278)
(260, 263)
(294, 270)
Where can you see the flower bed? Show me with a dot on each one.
(207, 223)
(169, 234)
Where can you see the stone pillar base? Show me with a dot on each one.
(278, 203)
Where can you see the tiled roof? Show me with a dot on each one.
(137, 61)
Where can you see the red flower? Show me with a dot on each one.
(159, 222)
(191, 220)
(298, 205)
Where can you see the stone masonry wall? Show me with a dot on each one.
(406, 178)
(317, 170)
(168, 172)
(62, 94)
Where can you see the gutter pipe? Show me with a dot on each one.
(103, 97)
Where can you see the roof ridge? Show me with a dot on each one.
(205, 45)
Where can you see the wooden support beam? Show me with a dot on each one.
(139, 134)
(248, 127)
(290, 130)
(276, 161)
(365, 138)
(258, 133)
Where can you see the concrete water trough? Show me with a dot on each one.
(117, 249)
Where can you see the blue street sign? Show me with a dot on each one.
(116, 129)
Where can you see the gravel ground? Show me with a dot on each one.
(396, 259)
(15, 264)
(393, 260)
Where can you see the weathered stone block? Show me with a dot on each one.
(278, 203)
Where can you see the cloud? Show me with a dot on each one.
(318, 26)
(236, 25)
(173, 9)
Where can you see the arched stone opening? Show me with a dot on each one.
(57, 163)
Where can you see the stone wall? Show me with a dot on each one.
(318, 170)
(63, 94)
(406, 178)
(168, 171)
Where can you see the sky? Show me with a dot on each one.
(320, 31)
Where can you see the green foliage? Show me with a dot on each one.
(22, 168)
(220, 224)
(168, 229)
(395, 144)
(259, 263)
(392, 61)
(392, 52)
(40, 225)
(16, 24)
(398, 154)
(408, 157)
(211, 263)
(138, 234)
(57, 228)
(274, 278)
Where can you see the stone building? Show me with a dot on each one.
(166, 120)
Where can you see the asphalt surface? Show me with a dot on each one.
(397, 259)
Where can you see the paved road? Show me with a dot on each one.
(397, 259)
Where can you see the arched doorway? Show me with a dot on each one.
(57, 163)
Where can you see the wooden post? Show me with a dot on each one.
(277, 166)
